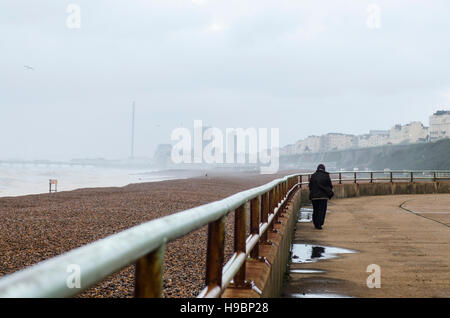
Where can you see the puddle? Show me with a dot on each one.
(319, 296)
(314, 286)
(305, 214)
(307, 253)
(306, 271)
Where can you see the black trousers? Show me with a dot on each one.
(319, 211)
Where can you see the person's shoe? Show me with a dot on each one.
(318, 227)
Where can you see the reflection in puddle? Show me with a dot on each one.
(306, 271)
(305, 214)
(307, 253)
(315, 286)
(319, 296)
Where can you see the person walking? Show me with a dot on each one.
(320, 191)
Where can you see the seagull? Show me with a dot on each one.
(29, 67)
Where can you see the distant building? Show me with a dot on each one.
(336, 141)
(384, 133)
(399, 134)
(374, 138)
(309, 145)
(417, 132)
(162, 155)
(410, 133)
(288, 150)
(440, 125)
(395, 135)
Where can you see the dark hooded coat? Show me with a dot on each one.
(320, 186)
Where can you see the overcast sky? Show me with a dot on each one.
(306, 67)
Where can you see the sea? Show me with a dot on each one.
(18, 180)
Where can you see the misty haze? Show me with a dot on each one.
(254, 117)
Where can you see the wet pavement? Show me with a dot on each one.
(411, 250)
(305, 214)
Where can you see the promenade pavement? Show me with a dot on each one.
(407, 237)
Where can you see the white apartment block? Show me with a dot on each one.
(440, 125)
(410, 133)
(309, 145)
(417, 132)
(373, 139)
(335, 141)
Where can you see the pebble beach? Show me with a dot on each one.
(34, 228)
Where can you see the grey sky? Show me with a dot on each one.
(307, 67)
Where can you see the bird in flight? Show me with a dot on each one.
(29, 67)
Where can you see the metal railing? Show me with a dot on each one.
(145, 244)
(390, 175)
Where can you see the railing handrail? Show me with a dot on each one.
(109, 255)
(383, 171)
(104, 257)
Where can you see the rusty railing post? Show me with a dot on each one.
(275, 198)
(301, 180)
(215, 254)
(278, 196)
(271, 204)
(255, 210)
(391, 177)
(434, 176)
(371, 177)
(354, 177)
(412, 177)
(281, 192)
(340, 178)
(271, 200)
(240, 216)
(265, 206)
(277, 202)
(149, 275)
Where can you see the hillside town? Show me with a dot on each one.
(414, 132)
